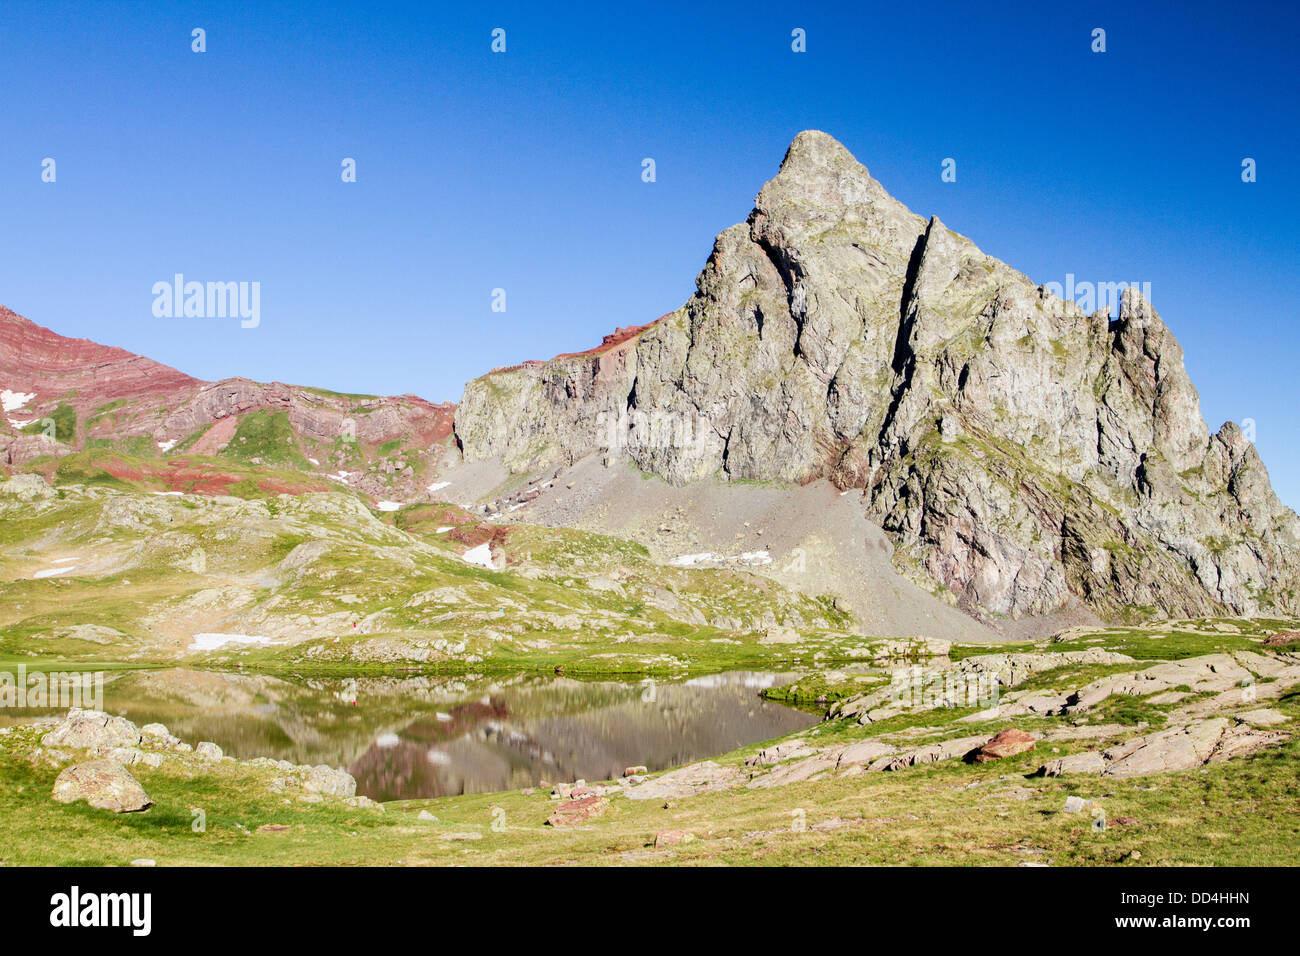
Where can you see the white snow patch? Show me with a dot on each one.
(170, 494)
(690, 560)
(51, 572)
(482, 556)
(167, 445)
(12, 401)
(314, 462)
(445, 529)
(438, 486)
(17, 424)
(388, 505)
(210, 641)
(387, 740)
(750, 558)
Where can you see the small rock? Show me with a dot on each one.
(1006, 743)
(1076, 804)
(573, 812)
(672, 838)
(780, 635)
(206, 750)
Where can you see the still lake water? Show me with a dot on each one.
(432, 736)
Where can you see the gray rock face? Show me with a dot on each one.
(1018, 451)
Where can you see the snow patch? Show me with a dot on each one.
(165, 446)
(444, 529)
(438, 486)
(210, 641)
(51, 572)
(388, 505)
(691, 560)
(749, 558)
(482, 556)
(12, 401)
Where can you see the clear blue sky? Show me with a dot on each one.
(522, 170)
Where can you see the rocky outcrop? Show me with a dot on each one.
(1023, 455)
(1179, 748)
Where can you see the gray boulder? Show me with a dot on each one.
(104, 784)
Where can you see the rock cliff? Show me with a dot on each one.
(1019, 452)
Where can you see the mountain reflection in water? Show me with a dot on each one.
(426, 736)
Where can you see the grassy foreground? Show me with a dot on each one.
(1245, 811)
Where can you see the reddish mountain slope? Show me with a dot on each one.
(62, 395)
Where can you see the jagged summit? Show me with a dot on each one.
(1023, 455)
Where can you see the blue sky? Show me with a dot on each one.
(522, 170)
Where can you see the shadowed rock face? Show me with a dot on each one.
(1017, 450)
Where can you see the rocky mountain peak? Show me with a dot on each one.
(1023, 456)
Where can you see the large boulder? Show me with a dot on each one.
(330, 782)
(104, 784)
